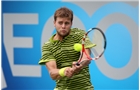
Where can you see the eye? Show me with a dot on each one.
(60, 23)
(67, 23)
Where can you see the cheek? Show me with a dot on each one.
(57, 26)
(68, 26)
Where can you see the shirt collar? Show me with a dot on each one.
(51, 39)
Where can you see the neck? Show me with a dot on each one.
(58, 37)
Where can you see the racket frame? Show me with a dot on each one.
(83, 51)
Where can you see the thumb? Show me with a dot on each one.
(74, 64)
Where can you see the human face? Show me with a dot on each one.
(62, 26)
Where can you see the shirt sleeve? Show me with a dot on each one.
(46, 55)
(88, 42)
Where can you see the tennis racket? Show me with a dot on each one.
(97, 48)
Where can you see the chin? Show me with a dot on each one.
(63, 34)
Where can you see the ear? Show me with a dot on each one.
(71, 23)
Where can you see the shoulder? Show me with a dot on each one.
(77, 31)
(47, 45)
(49, 42)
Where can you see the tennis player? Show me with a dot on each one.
(60, 57)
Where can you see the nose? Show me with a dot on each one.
(63, 25)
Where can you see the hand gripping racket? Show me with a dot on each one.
(97, 45)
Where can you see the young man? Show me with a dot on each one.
(60, 57)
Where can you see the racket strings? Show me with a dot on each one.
(97, 38)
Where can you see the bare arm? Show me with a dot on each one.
(54, 72)
(52, 68)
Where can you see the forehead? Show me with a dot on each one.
(64, 19)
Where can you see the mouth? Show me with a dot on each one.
(63, 31)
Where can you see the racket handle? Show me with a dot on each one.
(77, 64)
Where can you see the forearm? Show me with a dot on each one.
(53, 70)
(54, 73)
(58, 73)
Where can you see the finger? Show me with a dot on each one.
(74, 64)
(85, 62)
(72, 70)
(69, 72)
(78, 68)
